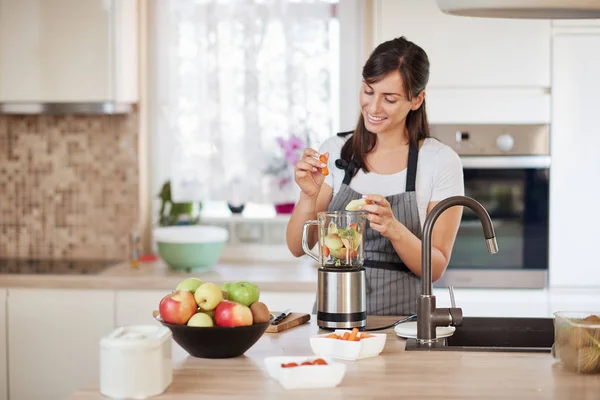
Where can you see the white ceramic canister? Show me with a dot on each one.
(135, 362)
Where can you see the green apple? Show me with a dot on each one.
(208, 296)
(190, 284)
(243, 292)
(200, 319)
(225, 286)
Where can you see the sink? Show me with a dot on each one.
(495, 334)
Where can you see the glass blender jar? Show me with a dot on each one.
(341, 297)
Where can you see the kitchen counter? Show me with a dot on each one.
(299, 276)
(394, 373)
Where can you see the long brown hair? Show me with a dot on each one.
(413, 64)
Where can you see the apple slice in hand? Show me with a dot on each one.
(356, 205)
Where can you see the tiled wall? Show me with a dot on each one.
(68, 186)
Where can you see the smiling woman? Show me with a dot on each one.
(391, 161)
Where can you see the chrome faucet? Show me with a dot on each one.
(428, 316)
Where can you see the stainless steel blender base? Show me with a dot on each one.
(328, 324)
(341, 301)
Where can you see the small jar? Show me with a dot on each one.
(135, 362)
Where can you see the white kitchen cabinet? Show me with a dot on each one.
(296, 301)
(575, 300)
(481, 70)
(576, 23)
(62, 51)
(574, 188)
(497, 302)
(470, 52)
(3, 353)
(54, 338)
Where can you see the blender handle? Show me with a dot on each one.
(305, 242)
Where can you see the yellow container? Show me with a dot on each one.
(577, 341)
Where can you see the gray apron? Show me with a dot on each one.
(391, 288)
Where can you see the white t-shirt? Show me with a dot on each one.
(439, 174)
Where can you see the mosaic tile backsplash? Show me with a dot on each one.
(68, 186)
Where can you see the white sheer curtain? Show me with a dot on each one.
(233, 76)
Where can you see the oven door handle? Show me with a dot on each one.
(505, 162)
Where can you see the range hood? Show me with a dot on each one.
(524, 9)
(69, 57)
(79, 108)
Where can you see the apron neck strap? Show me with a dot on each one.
(411, 173)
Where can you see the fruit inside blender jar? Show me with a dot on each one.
(340, 245)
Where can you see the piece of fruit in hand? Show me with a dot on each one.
(355, 205)
(324, 170)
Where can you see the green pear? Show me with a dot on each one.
(189, 284)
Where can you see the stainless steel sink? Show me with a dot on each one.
(495, 334)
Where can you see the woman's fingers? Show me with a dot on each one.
(308, 152)
(375, 219)
(313, 157)
(305, 166)
(377, 198)
(377, 209)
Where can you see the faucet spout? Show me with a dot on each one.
(486, 223)
(428, 315)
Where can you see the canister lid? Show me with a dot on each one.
(136, 337)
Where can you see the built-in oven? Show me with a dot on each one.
(506, 168)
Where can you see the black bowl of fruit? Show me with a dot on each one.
(209, 321)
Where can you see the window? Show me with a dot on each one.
(230, 77)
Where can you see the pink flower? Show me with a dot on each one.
(291, 148)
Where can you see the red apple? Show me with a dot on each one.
(230, 313)
(177, 307)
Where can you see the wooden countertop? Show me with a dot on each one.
(395, 373)
(300, 276)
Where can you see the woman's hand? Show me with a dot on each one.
(307, 173)
(381, 218)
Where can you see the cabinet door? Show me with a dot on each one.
(67, 50)
(575, 300)
(3, 354)
(54, 340)
(470, 52)
(497, 302)
(296, 301)
(574, 188)
(577, 23)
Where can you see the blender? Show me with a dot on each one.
(341, 295)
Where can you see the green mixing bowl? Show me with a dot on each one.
(191, 247)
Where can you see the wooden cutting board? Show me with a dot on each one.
(291, 321)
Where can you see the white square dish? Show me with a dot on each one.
(305, 376)
(348, 350)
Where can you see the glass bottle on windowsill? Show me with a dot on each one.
(134, 250)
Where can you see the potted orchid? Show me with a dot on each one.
(281, 169)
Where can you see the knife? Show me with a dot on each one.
(281, 317)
